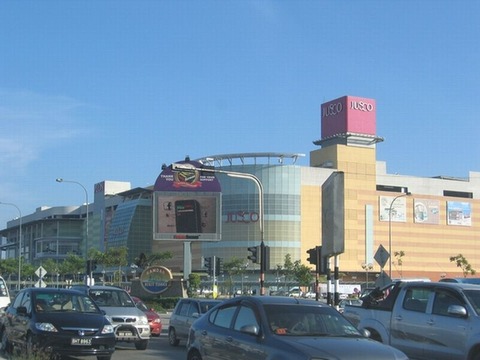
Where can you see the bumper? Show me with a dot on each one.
(130, 333)
(100, 346)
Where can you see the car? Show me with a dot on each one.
(186, 311)
(281, 328)
(130, 323)
(353, 302)
(153, 318)
(58, 322)
(464, 280)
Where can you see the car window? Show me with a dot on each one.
(442, 301)
(193, 308)
(183, 310)
(207, 305)
(223, 317)
(245, 316)
(18, 300)
(111, 298)
(416, 299)
(307, 320)
(474, 298)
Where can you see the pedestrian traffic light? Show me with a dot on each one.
(254, 250)
(218, 266)
(207, 262)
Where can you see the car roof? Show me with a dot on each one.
(50, 290)
(277, 300)
(451, 285)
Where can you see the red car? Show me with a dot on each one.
(153, 318)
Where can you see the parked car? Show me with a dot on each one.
(153, 318)
(130, 323)
(353, 302)
(185, 313)
(57, 322)
(426, 320)
(464, 280)
(281, 328)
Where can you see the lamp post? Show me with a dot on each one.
(390, 232)
(19, 241)
(177, 166)
(367, 268)
(86, 217)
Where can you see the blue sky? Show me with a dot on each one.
(110, 90)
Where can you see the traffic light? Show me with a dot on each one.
(207, 262)
(313, 256)
(254, 254)
(266, 258)
(218, 266)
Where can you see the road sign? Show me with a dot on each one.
(381, 256)
(40, 283)
(40, 272)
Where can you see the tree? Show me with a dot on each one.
(303, 274)
(463, 263)
(234, 267)
(194, 282)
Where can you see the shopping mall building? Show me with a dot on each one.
(426, 220)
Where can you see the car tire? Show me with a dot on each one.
(194, 355)
(172, 337)
(141, 345)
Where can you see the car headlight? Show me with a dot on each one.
(108, 329)
(142, 320)
(46, 327)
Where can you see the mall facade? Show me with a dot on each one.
(421, 222)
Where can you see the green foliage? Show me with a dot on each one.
(463, 263)
(194, 281)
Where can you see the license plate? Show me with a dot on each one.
(124, 333)
(81, 341)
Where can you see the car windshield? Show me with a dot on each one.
(111, 298)
(63, 302)
(141, 305)
(308, 320)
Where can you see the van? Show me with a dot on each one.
(4, 294)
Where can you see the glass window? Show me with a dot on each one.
(442, 301)
(245, 316)
(224, 316)
(416, 299)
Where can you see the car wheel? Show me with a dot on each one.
(194, 355)
(141, 345)
(172, 337)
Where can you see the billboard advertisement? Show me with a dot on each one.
(348, 114)
(398, 206)
(459, 213)
(187, 204)
(426, 211)
(333, 215)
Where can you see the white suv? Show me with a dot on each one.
(131, 324)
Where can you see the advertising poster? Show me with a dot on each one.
(398, 206)
(426, 211)
(459, 213)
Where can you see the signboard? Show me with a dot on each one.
(459, 213)
(333, 215)
(348, 114)
(187, 204)
(156, 279)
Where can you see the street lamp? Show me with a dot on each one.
(367, 268)
(19, 241)
(390, 232)
(86, 217)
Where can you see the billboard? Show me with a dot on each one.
(398, 205)
(187, 204)
(426, 211)
(333, 215)
(459, 213)
(348, 114)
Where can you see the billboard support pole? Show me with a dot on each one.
(178, 166)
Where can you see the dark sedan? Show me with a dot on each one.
(57, 322)
(280, 328)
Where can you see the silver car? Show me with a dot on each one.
(185, 313)
(280, 328)
(131, 324)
